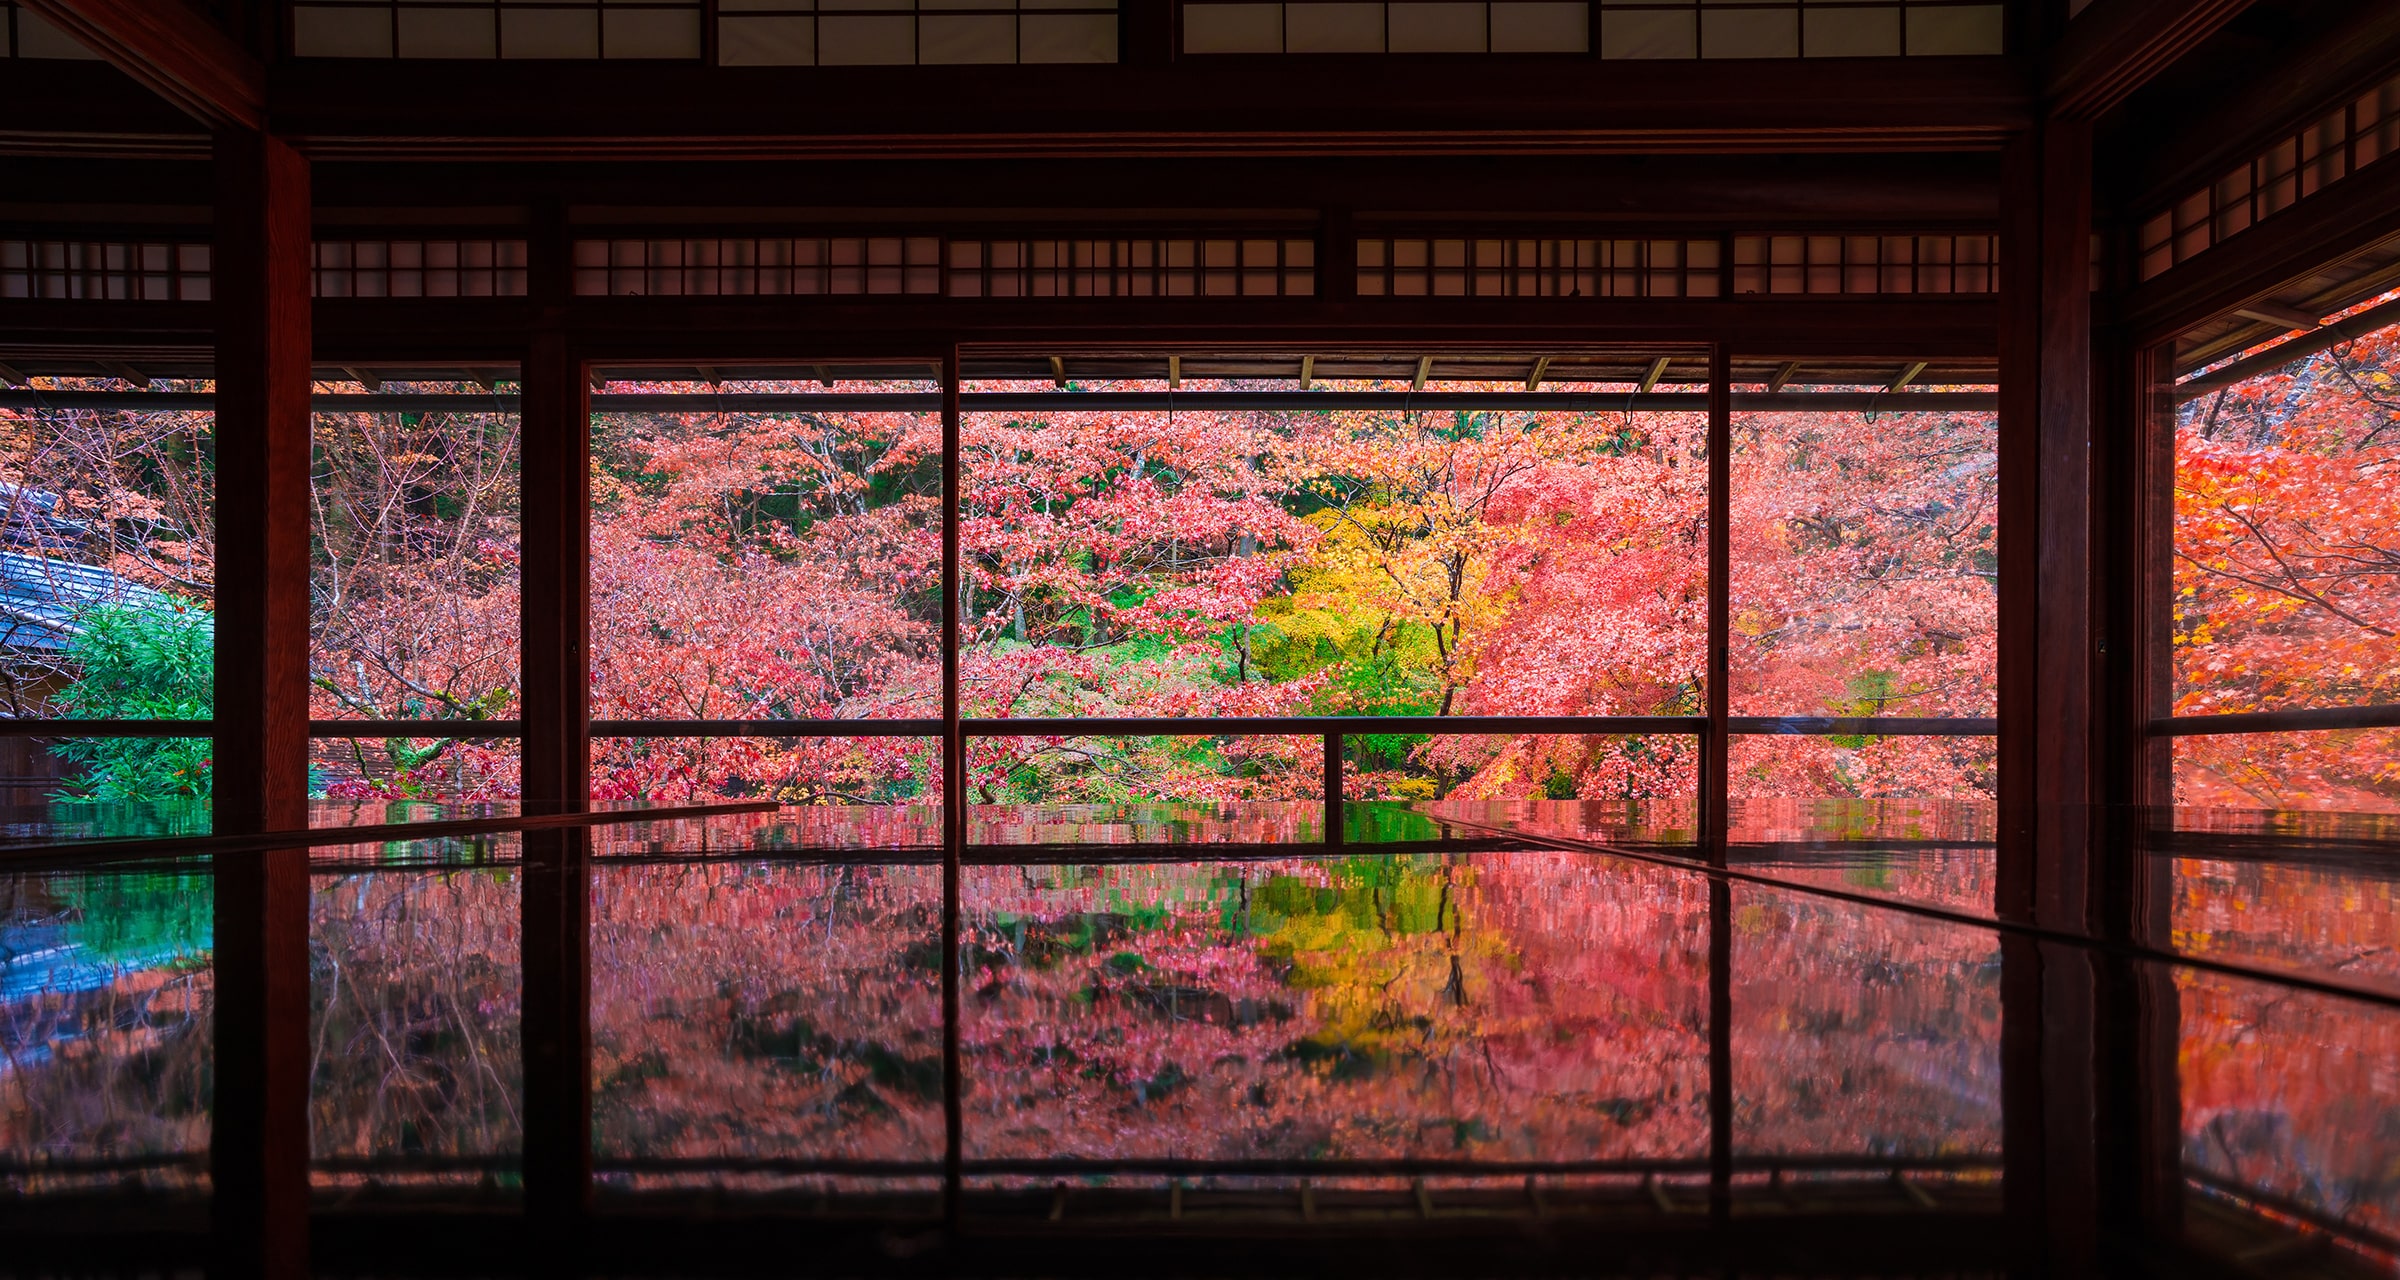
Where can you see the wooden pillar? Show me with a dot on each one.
(2048, 647)
(2047, 640)
(555, 675)
(258, 1151)
(555, 473)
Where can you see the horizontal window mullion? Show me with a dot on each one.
(2316, 719)
(766, 728)
(47, 728)
(1066, 401)
(1866, 726)
(416, 729)
(1218, 726)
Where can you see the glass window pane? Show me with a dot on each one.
(2352, 769)
(108, 572)
(764, 564)
(415, 586)
(1452, 562)
(1865, 567)
(2287, 531)
(1249, 771)
(1657, 772)
(853, 775)
(377, 779)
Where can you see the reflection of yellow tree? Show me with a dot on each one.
(1396, 974)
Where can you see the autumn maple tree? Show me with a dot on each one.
(2287, 577)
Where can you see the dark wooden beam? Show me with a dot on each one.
(483, 332)
(1926, 191)
(92, 111)
(1185, 110)
(2115, 47)
(259, 1143)
(171, 49)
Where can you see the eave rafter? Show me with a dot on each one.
(171, 50)
(2117, 46)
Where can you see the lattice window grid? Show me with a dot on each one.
(1836, 264)
(484, 29)
(115, 271)
(2323, 152)
(1170, 268)
(420, 269)
(1546, 268)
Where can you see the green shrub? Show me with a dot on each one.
(153, 661)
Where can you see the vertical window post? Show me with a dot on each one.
(258, 1157)
(555, 626)
(954, 795)
(1715, 783)
(1715, 745)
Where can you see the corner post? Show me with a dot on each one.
(2045, 873)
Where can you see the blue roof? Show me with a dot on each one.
(41, 599)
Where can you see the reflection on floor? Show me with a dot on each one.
(1202, 1019)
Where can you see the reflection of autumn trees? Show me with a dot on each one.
(2326, 916)
(767, 1011)
(415, 1046)
(1524, 1005)
(2292, 1093)
(2287, 577)
(1862, 1030)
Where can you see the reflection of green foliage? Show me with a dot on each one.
(1381, 823)
(151, 662)
(137, 919)
(1386, 896)
(123, 820)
